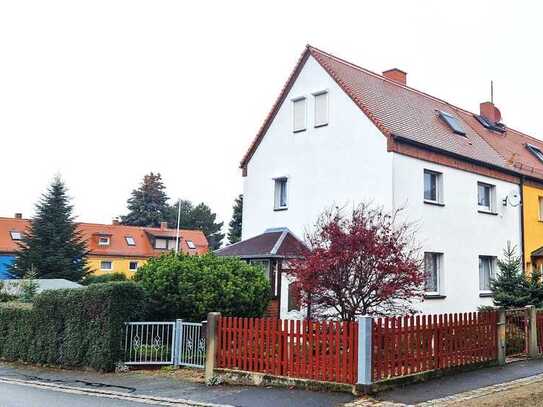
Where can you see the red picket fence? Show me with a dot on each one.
(303, 349)
(540, 331)
(413, 344)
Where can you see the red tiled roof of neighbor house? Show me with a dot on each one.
(277, 242)
(406, 115)
(117, 234)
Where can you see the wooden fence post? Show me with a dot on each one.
(365, 327)
(211, 345)
(501, 336)
(531, 319)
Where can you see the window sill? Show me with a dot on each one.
(299, 131)
(321, 125)
(487, 212)
(486, 295)
(434, 296)
(433, 203)
(280, 209)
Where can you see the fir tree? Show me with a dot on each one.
(52, 247)
(510, 288)
(234, 227)
(535, 289)
(148, 205)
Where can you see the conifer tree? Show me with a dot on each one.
(510, 287)
(147, 205)
(52, 247)
(234, 227)
(535, 289)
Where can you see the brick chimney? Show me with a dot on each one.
(163, 225)
(18, 215)
(397, 75)
(491, 112)
(115, 221)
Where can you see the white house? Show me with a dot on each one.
(339, 134)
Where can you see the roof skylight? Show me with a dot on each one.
(16, 235)
(535, 151)
(130, 241)
(453, 123)
(191, 244)
(489, 125)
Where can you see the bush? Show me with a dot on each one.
(72, 327)
(104, 278)
(4, 296)
(182, 286)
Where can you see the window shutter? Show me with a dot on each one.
(321, 109)
(299, 114)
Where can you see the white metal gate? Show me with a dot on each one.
(176, 343)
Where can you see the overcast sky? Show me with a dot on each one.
(104, 92)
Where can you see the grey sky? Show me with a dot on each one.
(106, 91)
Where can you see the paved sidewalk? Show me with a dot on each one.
(464, 383)
(164, 386)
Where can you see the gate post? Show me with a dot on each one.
(501, 336)
(211, 345)
(531, 322)
(365, 325)
(178, 337)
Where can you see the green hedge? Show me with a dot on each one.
(72, 328)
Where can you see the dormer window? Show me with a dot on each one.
(191, 244)
(15, 235)
(535, 151)
(130, 241)
(103, 240)
(453, 123)
(161, 244)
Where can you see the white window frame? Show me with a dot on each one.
(294, 101)
(106, 242)
(277, 193)
(15, 235)
(492, 273)
(102, 265)
(128, 239)
(190, 244)
(171, 244)
(439, 273)
(439, 187)
(130, 265)
(157, 239)
(327, 113)
(491, 197)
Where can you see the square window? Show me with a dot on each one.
(130, 241)
(299, 114)
(171, 244)
(103, 241)
(432, 271)
(15, 235)
(191, 244)
(433, 185)
(280, 199)
(161, 244)
(321, 109)
(486, 272)
(106, 265)
(133, 265)
(485, 197)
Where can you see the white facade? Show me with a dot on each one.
(346, 162)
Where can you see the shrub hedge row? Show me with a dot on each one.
(72, 328)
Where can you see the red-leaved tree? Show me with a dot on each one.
(367, 263)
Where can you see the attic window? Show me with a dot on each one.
(489, 125)
(130, 241)
(191, 244)
(453, 123)
(15, 235)
(535, 151)
(103, 241)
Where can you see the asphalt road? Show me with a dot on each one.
(13, 395)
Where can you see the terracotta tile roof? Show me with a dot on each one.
(412, 116)
(277, 242)
(117, 233)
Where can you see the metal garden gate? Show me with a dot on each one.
(165, 343)
(516, 332)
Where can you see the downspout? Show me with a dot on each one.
(522, 244)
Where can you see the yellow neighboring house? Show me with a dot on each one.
(532, 209)
(112, 248)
